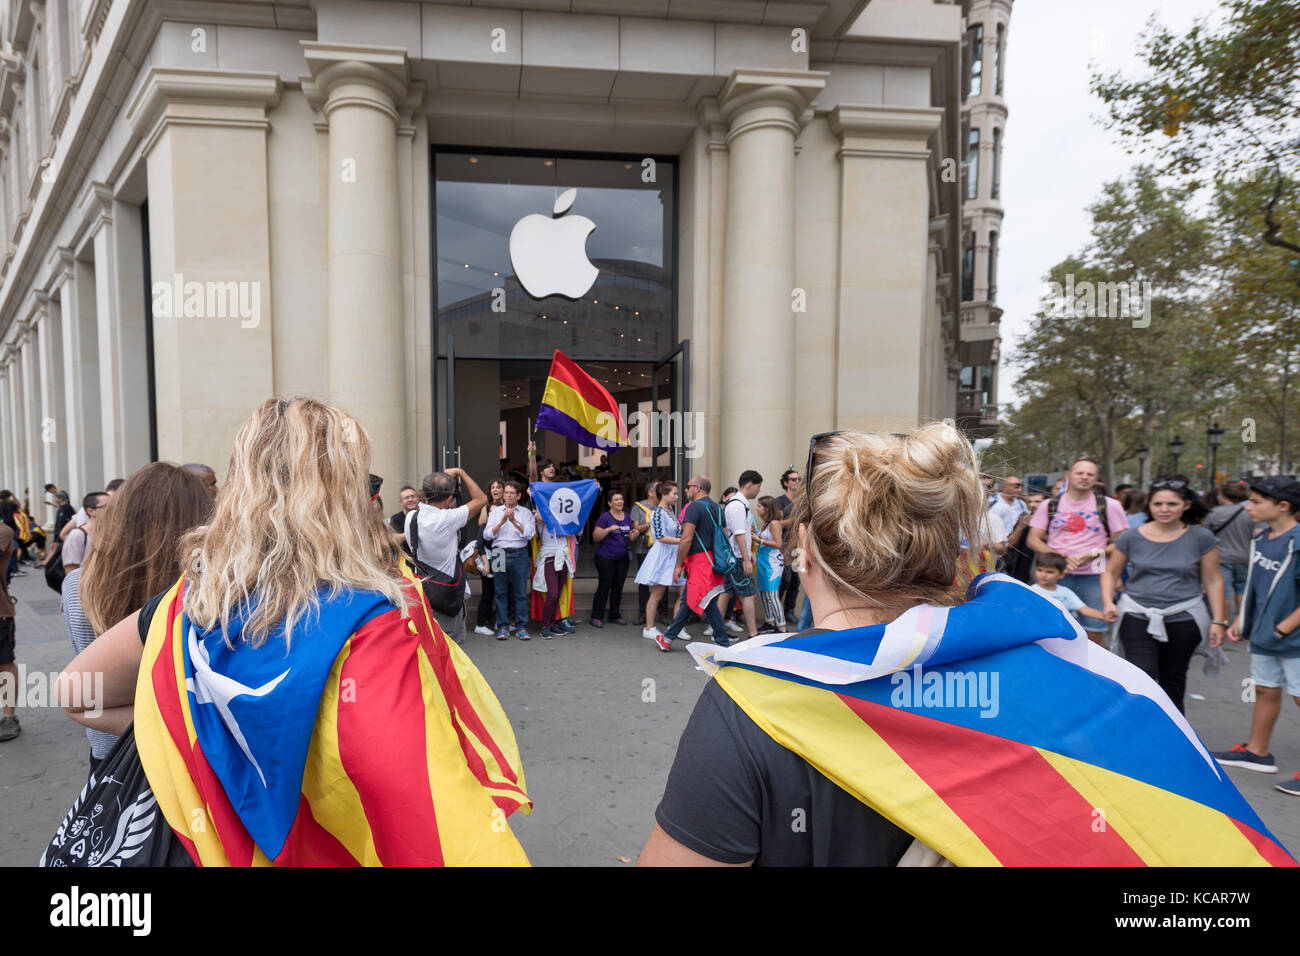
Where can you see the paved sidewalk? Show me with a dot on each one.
(597, 715)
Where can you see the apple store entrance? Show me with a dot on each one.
(538, 252)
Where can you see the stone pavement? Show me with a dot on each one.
(597, 715)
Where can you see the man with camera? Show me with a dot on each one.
(440, 521)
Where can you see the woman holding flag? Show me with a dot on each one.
(294, 701)
(927, 724)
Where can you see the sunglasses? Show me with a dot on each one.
(1175, 485)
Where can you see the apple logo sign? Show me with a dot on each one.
(549, 255)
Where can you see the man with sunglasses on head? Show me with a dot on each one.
(704, 586)
(1081, 525)
(1010, 508)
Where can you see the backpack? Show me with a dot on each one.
(1054, 502)
(724, 559)
(649, 536)
(54, 572)
(446, 592)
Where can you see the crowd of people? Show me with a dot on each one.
(1165, 574)
(194, 604)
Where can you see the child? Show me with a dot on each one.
(770, 563)
(1269, 617)
(1048, 571)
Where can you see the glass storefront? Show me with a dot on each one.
(503, 305)
(627, 313)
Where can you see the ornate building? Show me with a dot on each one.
(984, 120)
(208, 203)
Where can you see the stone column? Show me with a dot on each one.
(884, 237)
(204, 136)
(81, 434)
(762, 110)
(54, 440)
(31, 414)
(6, 425)
(15, 449)
(360, 90)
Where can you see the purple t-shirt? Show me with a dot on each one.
(614, 545)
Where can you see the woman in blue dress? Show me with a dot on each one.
(656, 570)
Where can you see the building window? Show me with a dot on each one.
(993, 266)
(977, 382)
(481, 199)
(968, 270)
(997, 60)
(972, 164)
(995, 180)
(974, 60)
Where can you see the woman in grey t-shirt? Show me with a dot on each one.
(1172, 564)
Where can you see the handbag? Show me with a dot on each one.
(115, 821)
(54, 572)
(446, 592)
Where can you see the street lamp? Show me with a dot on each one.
(1176, 449)
(1214, 434)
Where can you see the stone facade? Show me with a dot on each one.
(209, 203)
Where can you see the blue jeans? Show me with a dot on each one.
(805, 616)
(1088, 587)
(711, 613)
(1234, 579)
(512, 589)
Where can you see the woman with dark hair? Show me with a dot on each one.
(487, 614)
(614, 532)
(1172, 562)
(1135, 504)
(133, 559)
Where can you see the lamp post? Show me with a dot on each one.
(1142, 454)
(1176, 449)
(1214, 435)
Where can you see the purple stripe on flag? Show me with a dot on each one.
(552, 419)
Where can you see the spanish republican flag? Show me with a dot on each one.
(997, 734)
(576, 406)
(370, 739)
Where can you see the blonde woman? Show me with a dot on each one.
(293, 690)
(924, 722)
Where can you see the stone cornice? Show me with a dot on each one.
(885, 131)
(757, 98)
(201, 98)
(376, 76)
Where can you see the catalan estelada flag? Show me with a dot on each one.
(576, 406)
(370, 740)
(996, 733)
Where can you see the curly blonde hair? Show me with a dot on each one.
(293, 516)
(888, 515)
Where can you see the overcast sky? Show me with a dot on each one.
(1056, 153)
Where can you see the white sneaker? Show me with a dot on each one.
(484, 630)
(733, 626)
(650, 633)
(684, 636)
(708, 631)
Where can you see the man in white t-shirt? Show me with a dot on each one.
(736, 515)
(440, 523)
(1008, 505)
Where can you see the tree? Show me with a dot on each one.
(1227, 102)
(1100, 383)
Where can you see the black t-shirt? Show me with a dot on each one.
(705, 514)
(146, 614)
(398, 522)
(734, 794)
(787, 505)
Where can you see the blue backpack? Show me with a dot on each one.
(724, 559)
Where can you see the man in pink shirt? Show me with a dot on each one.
(1079, 531)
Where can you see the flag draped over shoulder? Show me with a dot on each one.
(996, 733)
(370, 740)
(576, 406)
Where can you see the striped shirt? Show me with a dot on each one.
(81, 634)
